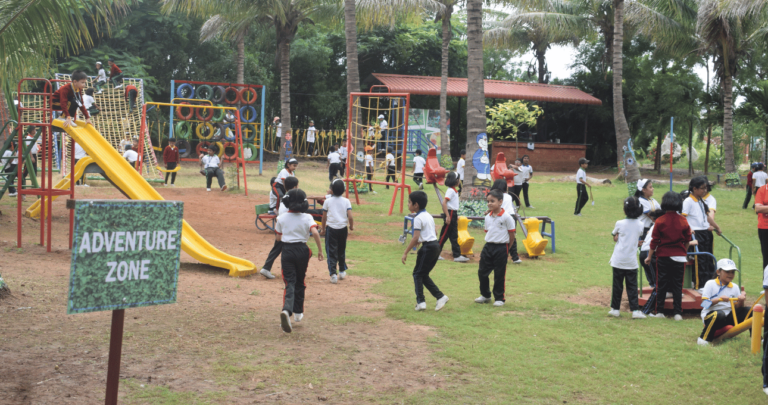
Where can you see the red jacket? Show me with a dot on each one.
(128, 91)
(670, 234)
(114, 71)
(171, 155)
(66, 100)
(749, 179)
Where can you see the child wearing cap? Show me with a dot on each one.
(716, 301)
(644, 195)
(418, 168)
(581, 186)
(626, 233)
(499, 231)
(383, 126)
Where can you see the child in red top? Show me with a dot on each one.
(131, 93)
(750, 186)
(171, 159)
(669, 242)
(69, 98)
(115, 74)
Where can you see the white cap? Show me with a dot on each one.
(726, 264)
(381, 117)
(641, 183)
(99, 63)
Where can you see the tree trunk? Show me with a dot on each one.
(285, 93)
(541, 60)
(445, 140)
(476, 121)
(353, 69)
(619, 120)
(690, 148)
(241, 60)
(730, 164)
(659, 141)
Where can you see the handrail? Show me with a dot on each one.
(197, 100)
(730, 255)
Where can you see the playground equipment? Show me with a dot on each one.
(26, 165)
(534, 243)
(433, 172)
(466, 241)
(198, 125)
(364, 109)
(128, 181)
(80, 170)
(500, 170)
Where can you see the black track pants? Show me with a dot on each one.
(295, 260)
(493, 258)
(426, 258)
(336, 248)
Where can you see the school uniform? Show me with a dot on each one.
(718, 315)
(295, 229)
(760, 178)
(369, 169)
(418, 169)
(624, 262)
(67, 100)
(278, 188)
(272, 201)
(132, 156)
(581, 191)
(509, 209)
(518, 187)
(101, 79)
(460, 170)
(90, 104)
(336, 232)
(334, 166)
(9, 166)
(696, 214)
(277, 247)
(451, 231)
(343, 155)
(391, 168)
(493, 258)
(762, 223)
(649, 205)
(79, 154)
(527, 172)
(171, 158)
(670, 234)
(211, 167)
(750, 190)
(650, 274)
(116, 76)
(311, 140)
(426, 257)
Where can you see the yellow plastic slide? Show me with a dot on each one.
(130, 182)
(34, 210)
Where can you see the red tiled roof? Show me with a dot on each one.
(430, 86)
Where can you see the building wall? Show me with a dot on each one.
(555, 157)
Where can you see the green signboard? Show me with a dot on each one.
(125, 254)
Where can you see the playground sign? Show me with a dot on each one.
(125, 254)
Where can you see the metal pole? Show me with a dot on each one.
(170, 120)
(261, 148)
(671, 148)
(115, 351)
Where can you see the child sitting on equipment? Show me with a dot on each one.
(211, 165)
(500, 230)
(90, 103)
(115, 74)
(716, 301)
(418, 168)
(131, 156)
(293, 229)
(337, 214)
(172, 159)
(509, 209)
(68, 98)
(626, 233)
(426, 258)
(277, 248)
(450, 229)
(272, 197)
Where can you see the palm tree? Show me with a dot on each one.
(219, 26)
(756, 107)
(445, 18)
(475, 91)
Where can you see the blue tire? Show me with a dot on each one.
(185, 91)
(243, 113)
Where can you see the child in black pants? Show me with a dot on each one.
(450, 229)
(500, 230)
(626, 233)
(716, 301)
(337, 214)
(293, 230)
(277, 248)
(426, 258)
(581, 186)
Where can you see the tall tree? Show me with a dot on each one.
(476, 86)
(445, 18)
(619, 119)
(220, 26)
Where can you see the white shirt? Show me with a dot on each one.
(460, 168)
(527, 171)
(368, 160)
(418, 164)
(507, 206)
(694, 213)
(295, 227)
(282, 209)
(711, 202)
(765, 278)
(80, 153)
(713, 289)
(102, 76)
(519, 176)
(132, 156)
(647, 241)
(311, 134)
(272, 199)
(334, 157)
(284, 174)
(7, 156)
(279, 130)
(337, 208)
(28, 141)
(759, 178)
(343, 151)
(581, 175)
(390, 160)
(383, 125)
(211, 161)
(629, 231)
(452, 199)
(497, 228)
(648, 206)
(88, 101)
(426, 224)
(123, 143)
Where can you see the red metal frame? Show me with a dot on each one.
(46, 190)
(398, 186)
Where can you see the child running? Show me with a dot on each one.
(626, 233)
(391, 167)
(334, 163)
(418, 168)
(369, 166)
(277, 247)
(644, 194)
(426, 257)
(509, 209)
(581, 186)
(500, 230)
(450, 227)
(696, 212)
(293, 229)
(337, 214)
(172, 159)
(716, 301)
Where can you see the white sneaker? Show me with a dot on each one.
(421, 307)
(498, 304)
(482, 300)
(440, 257)
(421, 186)
(614, 312)
(173, 185)
(518, 261)
(208, 189)
(678, 317)
(669, 295)
(298, 317)
(638, 314)
(659, 315)
(13, 194)
(461, 259)
(702, 342)
(578, 215)
(334, 279)
(85, 185)
(373, 192)
(441, 303)
(531, 207)
(224, 188)
(119, 86)
(266, 273)
(342, 275)
(100, 91)
(765, 390)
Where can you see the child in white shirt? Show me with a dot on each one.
(90, 103)
(391, 167)
(500, 230)
(101, 78)
(369, 166)
(277, 248)
(460, 168)
(581, 186)
(451, 211)
(527, 171)
(334, 164)
(131, 156)
(311, 138)
(418, 168)
(9, 163)
(626, 233)
(716, 301)
(337, 214)
(509, 209)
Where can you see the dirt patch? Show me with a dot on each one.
(221, 340)
(596, 296)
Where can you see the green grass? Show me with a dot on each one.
(161, 395)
